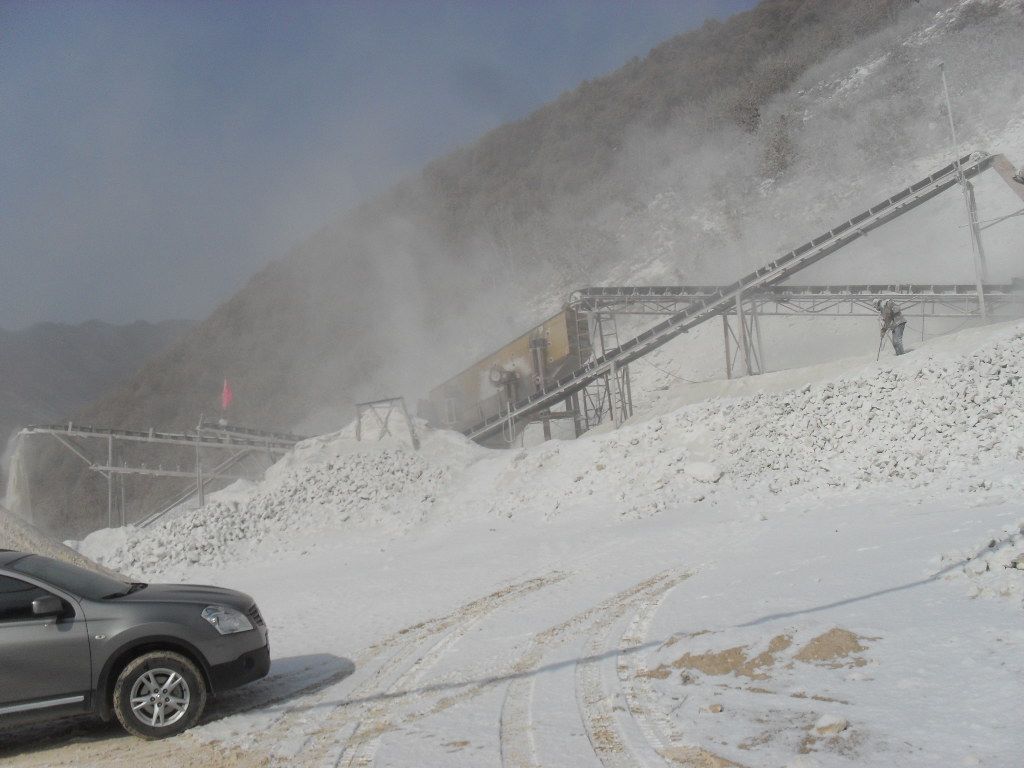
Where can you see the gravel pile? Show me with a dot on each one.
(368, 487)
(951, 422)
(994, 568)
(945, 422)
(954, 422)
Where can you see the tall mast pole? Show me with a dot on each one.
(969, 203)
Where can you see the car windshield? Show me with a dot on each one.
(71, 578)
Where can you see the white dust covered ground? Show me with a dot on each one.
(821, 571)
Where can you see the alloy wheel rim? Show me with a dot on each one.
(160, 697)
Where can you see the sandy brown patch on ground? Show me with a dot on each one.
(844, 744)
(658, 673)
(696, 757)
(766, 659)
(835, 648)
(455, 746)
(726, 662)
(731, 661)
(756, 741)
(605, 739)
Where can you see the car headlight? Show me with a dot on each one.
(226, 620)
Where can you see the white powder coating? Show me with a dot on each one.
(936, 421)
(830, 724)
(22, 536)
(940, 417)
(993, 568)
(358, 488)
(703, 471)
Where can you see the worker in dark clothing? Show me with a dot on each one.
(892, 320)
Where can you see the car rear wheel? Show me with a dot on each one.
(159, 694)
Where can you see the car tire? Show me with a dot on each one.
(159, 694)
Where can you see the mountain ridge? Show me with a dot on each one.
(398, 294)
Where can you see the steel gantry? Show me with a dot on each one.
(238, 443)
(743, 343)
(732, 299)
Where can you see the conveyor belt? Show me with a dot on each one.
(724, 298)
(668, 299)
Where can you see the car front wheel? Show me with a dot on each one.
(159, 694)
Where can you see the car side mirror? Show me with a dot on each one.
(50, 605)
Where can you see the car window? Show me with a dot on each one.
(16, 598)
(70, 578)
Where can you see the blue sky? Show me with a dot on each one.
(154, 155)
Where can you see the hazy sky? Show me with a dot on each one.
(154, 155)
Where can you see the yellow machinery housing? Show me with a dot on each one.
(520, 369)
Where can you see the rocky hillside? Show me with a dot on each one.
(50, 370)
(669, 168)
(327, 324)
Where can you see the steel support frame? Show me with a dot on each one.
(957, 300)
(772, 273)
(608, 398)
(746, 336)
(242, 442)
(977, 247)
(386, 406)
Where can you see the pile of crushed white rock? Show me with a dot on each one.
(994, 569)
(373, 486)
(951, 421)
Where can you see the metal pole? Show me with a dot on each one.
(755, 321)
(728, 351)
(628, 388)
(972, 219)
(199, 477)
(110, 482)
(976, 229)
(744, 341)
(616, 385)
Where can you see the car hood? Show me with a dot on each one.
(196, 594)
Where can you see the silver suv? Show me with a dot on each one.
(73, 641)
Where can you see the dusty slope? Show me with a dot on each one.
(18, 535)
(405, 290)
(541, 609)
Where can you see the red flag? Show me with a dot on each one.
(226, 396)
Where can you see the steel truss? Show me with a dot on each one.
(743, 344)
(729, 299)
(382, 410)
(239, 442)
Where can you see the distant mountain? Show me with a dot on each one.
(719, 148)
(49, 371)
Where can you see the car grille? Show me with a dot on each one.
(255, 615)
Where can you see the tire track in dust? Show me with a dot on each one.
(401, 672)
(657, 728)
(616, 737)
(517, 738)
(291, 732)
